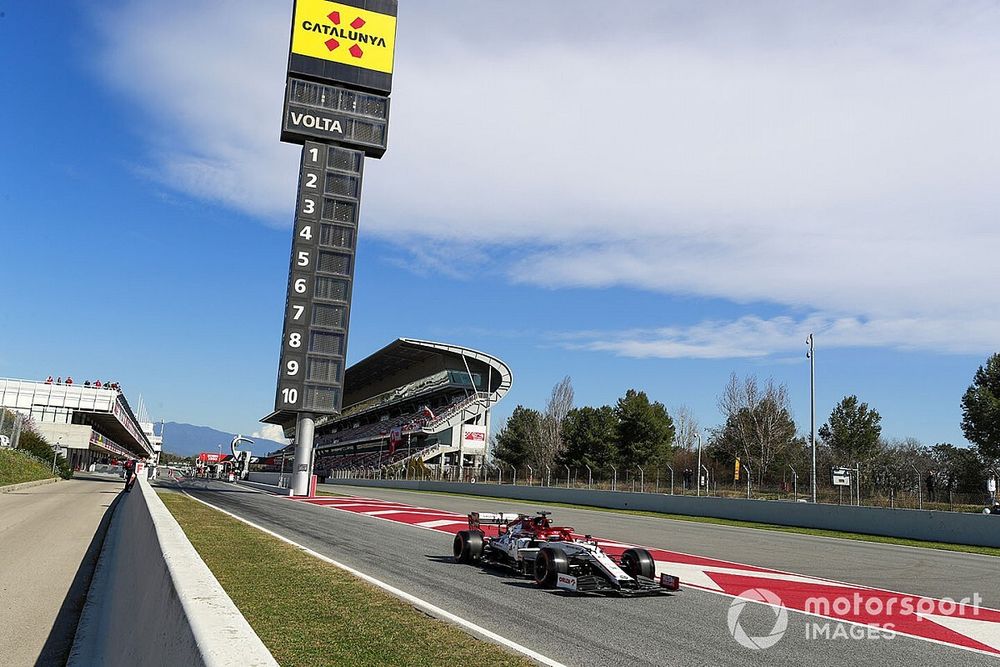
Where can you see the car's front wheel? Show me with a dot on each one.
(638, 562)
(549, 564)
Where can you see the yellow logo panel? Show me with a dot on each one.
(344, 34)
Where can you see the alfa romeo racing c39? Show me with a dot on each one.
(556, 557)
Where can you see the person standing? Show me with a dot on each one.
(930, 485)
(129, 474)
(991, 488)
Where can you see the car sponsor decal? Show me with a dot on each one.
(566, 581)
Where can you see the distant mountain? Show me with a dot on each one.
(190, 440)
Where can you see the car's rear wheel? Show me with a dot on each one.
(549, 564)
(638, 562)
(468, 546)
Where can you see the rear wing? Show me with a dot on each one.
(491, 518)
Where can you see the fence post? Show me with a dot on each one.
(614, 479)
(671, 469)
(567, 476)
(642, 479)
(590, 476)
(531, 473)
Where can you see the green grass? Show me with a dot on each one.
(859, 537)
(308, 612)
(17, 467)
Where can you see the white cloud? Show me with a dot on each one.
(271, 432)
(754, 337)
(832, 157)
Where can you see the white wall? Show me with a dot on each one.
(153, 601)
(74, 436)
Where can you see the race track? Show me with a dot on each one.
(688, 628)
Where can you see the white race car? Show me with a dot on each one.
(555, 557)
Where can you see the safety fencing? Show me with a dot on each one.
(674, 481)
(926, 525)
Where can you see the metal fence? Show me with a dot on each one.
(11, 426)
(671, 481)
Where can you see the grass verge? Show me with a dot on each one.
(17, 467)
(858, 537)
(308, 612)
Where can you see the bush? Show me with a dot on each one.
(39, 447)
(17, 466)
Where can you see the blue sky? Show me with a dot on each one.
(653, 199)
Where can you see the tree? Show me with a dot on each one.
(645, 430)
(39, 447)
(517, 443)
(759, 427)
(687, 427)
(981, 409)
(901, 464)
(559, 405)
(590, 435)
(853, 431)
(958, 469)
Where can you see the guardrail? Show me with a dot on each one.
(153, 601)
(928, 525)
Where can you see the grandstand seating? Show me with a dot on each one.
(392, 389)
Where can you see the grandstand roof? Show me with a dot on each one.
(392, 359)
(407, 359)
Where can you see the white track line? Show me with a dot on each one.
(412, 599)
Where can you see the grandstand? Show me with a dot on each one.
(413, 401)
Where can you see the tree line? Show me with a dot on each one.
(758, 429)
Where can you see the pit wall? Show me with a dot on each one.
(153, 601)
(933, 526)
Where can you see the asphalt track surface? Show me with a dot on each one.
(687, 628)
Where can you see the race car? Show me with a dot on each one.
(556, 558)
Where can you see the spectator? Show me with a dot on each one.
(69, 380)
(97, 384)
(129, 474)
(930, 485)
(86, 383)
(48, 380)
(59, 380)
(991, 488)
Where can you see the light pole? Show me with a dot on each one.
(698, 435)
(795, 482)
(811, 355)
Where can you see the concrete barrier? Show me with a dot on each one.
(270, 478)
(153, 601)
(11, 488)
(933, 526)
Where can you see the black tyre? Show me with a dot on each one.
(468, 546)
(549, 564)
(638, 563)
